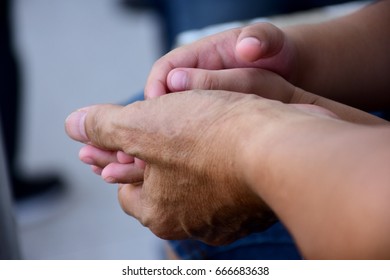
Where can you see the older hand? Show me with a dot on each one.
(185, 142)
(192, 144)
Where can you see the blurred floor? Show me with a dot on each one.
(76, 53)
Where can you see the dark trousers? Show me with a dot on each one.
(182, 15)
(9, 86)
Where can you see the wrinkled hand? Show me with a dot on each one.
(192, 144)
(117, 167)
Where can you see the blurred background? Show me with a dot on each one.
(72, 54)
(68, 54)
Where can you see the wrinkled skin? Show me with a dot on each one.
(180, 157)
(192, 185)
(196, 175)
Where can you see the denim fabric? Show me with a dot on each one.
(272, 244)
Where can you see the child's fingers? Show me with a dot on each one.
(245, 80)
(95, 156)
(124, 158)
(123, 173)
(96, 169)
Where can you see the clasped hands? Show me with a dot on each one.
(181, 159)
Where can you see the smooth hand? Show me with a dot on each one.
(258, 46)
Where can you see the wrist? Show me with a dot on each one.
(260, 131)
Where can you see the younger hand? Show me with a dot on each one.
(261, 46)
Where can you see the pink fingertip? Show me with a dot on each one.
(124, 158)
(250, 41)
(139, 163)
(178, 80)
(155, 90)
(249, 49)
(97, 170)
(75, 127)
(110, 180)
(87, 160)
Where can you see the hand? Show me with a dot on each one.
(193, 182)
(117, 167)
(260, 45)
(268, 85)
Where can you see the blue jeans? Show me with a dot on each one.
(273, 244)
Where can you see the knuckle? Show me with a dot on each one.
(264, 31)
(94, 128)
(208, 81)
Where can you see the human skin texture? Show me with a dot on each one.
(219, 161)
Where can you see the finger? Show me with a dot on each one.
(129, 196)
(131, 129)
(74, 125)
(96, 169)
(93, 125)
(124, 158)
(186, 56)
(314, 109)
(258, 41)
(139, 163)
(246, 80)
(239, 47)
(122, 173)
(196, 55)
(94, 156)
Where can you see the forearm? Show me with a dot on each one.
(347, 59)
(328, 182)
(344, 112)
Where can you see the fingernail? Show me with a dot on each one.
(250, 41)
(74, 125)
(87, 160)
(179, 80)
(249, 49)
(110, 180)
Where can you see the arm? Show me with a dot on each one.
(218, 162)
(269, 85)
(329, 182)
(347, 58)
(116, 167)
(343, 59)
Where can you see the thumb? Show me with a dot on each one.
(261, 40)
(110, 127)
(91, 125)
